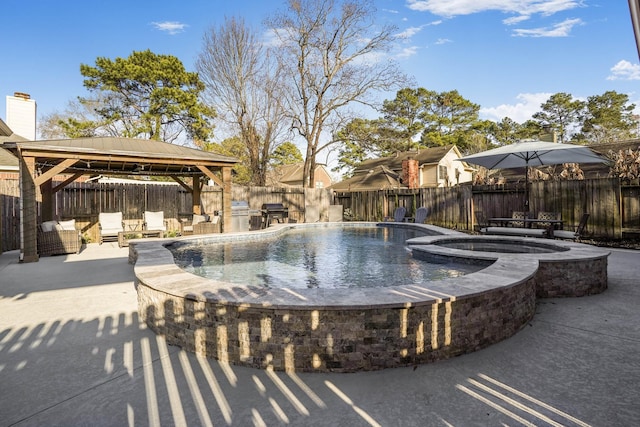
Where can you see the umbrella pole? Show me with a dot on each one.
(526, 189)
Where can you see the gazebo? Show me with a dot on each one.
(40, 161)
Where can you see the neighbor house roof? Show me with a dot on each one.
(424, 156)
(284, 174)
(379, 177)
(385, 172)
(290, 174)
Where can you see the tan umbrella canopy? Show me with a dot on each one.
(533, 153)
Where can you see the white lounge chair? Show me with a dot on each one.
(110, 225)
(154, 221)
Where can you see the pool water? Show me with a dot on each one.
(502, 246)
(327, 258)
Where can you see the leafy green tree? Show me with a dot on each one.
(360, 139)
(448, 119)
(148, 95)
(415, 118)
(403, 120)
(479, 137)
(325, 50)
(505, 131)
(561, 114)
(531, 129)
(286, 153)
(608, 118)
(233, 147)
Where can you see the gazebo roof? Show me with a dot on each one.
(120, 156)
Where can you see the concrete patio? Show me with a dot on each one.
(72, 352)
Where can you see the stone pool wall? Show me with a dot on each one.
(340, 340)
(580, 278)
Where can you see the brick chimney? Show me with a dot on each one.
(410, 173)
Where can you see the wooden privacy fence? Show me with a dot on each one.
(614, 208)
(85, 201)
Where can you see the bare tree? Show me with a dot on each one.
(244, 84)
(79, 119)
(333, 55)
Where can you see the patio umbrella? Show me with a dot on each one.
(532, 153)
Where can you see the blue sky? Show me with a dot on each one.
(508, 56)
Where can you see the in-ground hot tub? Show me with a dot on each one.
(367, 328)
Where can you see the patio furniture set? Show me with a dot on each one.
(545, 224)
(154, 225)
(63, 237)
(112, 227)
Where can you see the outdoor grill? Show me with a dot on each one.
(274, 211)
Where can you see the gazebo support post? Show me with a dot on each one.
(46, 209)
(28, 210)
(195, 196)
(226, 199)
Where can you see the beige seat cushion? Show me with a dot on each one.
(48, 226)
(154, 221)
(69, 225)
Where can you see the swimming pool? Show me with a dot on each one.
(351, 329)
(357, 257)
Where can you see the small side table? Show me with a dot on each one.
(122, 241)
(152, 233)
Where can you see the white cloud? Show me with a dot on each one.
(522, 8)
(408, 52)
(443, 41)
(409, 32)
(528, 104)
(514, 20)
(170, 27)
(559, 30)
(625, 70)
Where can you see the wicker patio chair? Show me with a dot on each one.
(56, 238)
(187, 226)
